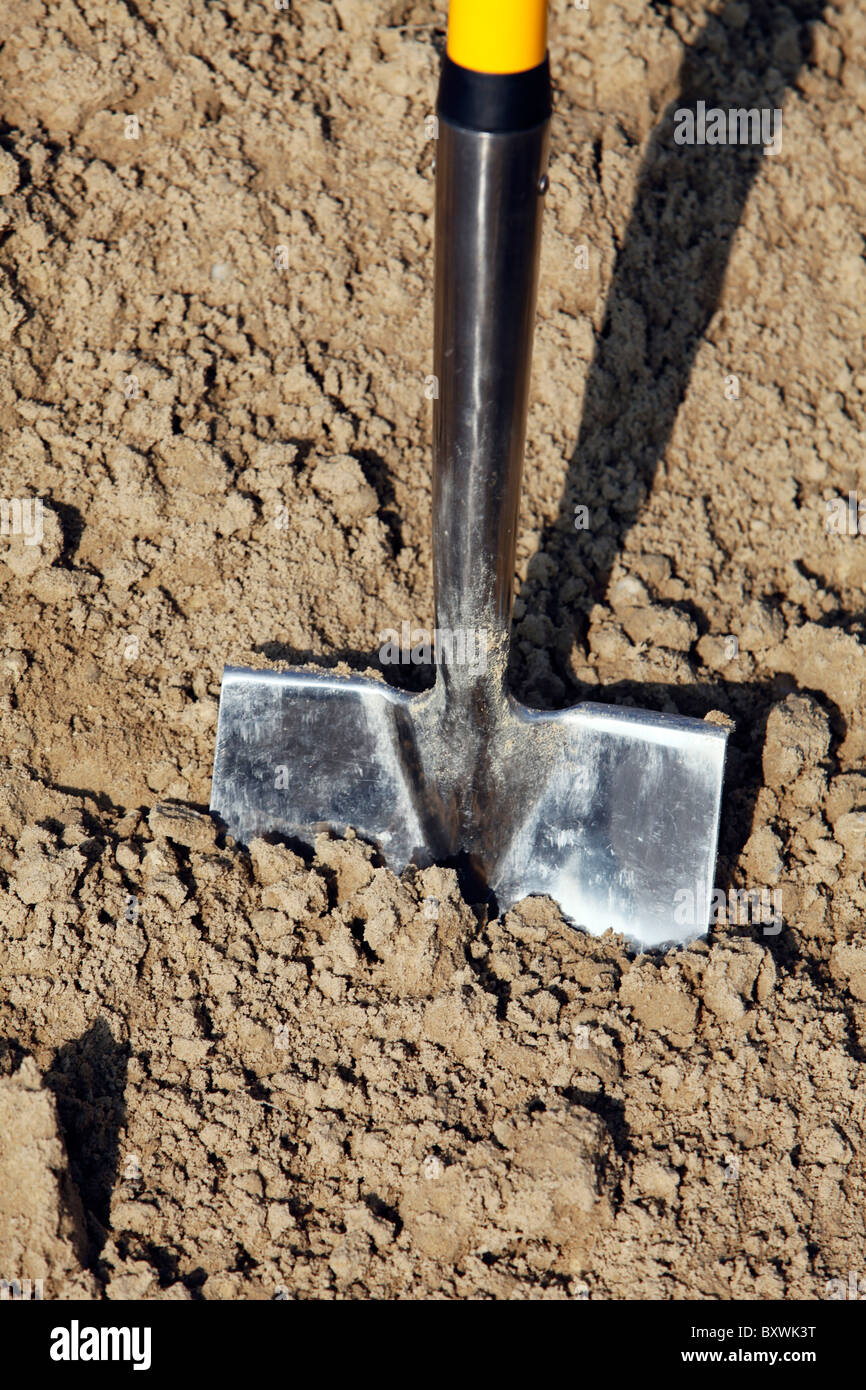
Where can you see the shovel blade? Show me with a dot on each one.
(611, 812)
(622, 828)
(300, 752)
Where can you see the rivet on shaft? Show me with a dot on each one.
(543, 184)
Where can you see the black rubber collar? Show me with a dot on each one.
(495, 102)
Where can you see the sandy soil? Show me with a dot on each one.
(254, 1076)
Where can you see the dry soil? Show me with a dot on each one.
(263, 1076)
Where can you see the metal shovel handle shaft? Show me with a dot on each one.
(490, 179)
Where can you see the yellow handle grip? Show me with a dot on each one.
(497, 35)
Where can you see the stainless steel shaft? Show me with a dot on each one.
(489, 198)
